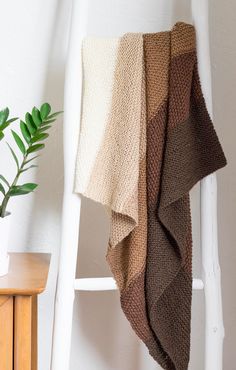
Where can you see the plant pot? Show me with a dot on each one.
(4, 238)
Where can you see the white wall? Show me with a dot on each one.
(33, 39)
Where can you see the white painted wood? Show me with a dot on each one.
(71, 202)
(214, 329)
(108, 283)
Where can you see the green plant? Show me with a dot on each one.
(33, 133)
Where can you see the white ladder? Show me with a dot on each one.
(67, 284)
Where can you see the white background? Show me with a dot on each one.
(33, 43)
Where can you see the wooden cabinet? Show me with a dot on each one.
(19, 289)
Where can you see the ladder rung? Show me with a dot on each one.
(108, 283)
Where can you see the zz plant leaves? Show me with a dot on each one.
(28, 141)
(31, 159)
(45, 110)
(2, 190)
(19, 142)
(44, 128)
(22, 189)
(4, 116)
(39, 137)
(25, 132)
(30, 123)
(35, 148)
(4, 122)
(14, 156)
(36, 117)
(4, 180)
(54, 115)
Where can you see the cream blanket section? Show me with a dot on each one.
(98, 59)
(107, 168)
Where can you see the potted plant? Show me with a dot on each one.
(33, 131)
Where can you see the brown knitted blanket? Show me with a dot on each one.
(182, 148)
(158, 142)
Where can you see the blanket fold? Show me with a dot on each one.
(154, 142)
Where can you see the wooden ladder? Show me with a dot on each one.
(67, 284)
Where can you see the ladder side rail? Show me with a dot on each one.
(211, 275)
(71, 202)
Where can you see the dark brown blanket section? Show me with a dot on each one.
(182, 148)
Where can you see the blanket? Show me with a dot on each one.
(146, 139)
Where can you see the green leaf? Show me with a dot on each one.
(31, 159)
(30, 123)
(4, 180)
(2, 190)
(28, 168)
(7, 123)
(12, 120)
(4, 116)
(1, 135)
(55, 114)
(47, 122)
(22, 189)
(25, 132)
(19, 142)
(35, 148)
(45, 110)
(36, 117)
(39, 137)
(43, 128)
(14, 156)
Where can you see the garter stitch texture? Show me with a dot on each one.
(99, 58)
(155, 140)
(182, 148)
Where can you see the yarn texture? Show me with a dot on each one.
(144, 143)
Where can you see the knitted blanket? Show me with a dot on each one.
(155, 140)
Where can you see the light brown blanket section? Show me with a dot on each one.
(127, 259)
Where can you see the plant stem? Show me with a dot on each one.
(6, 198)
